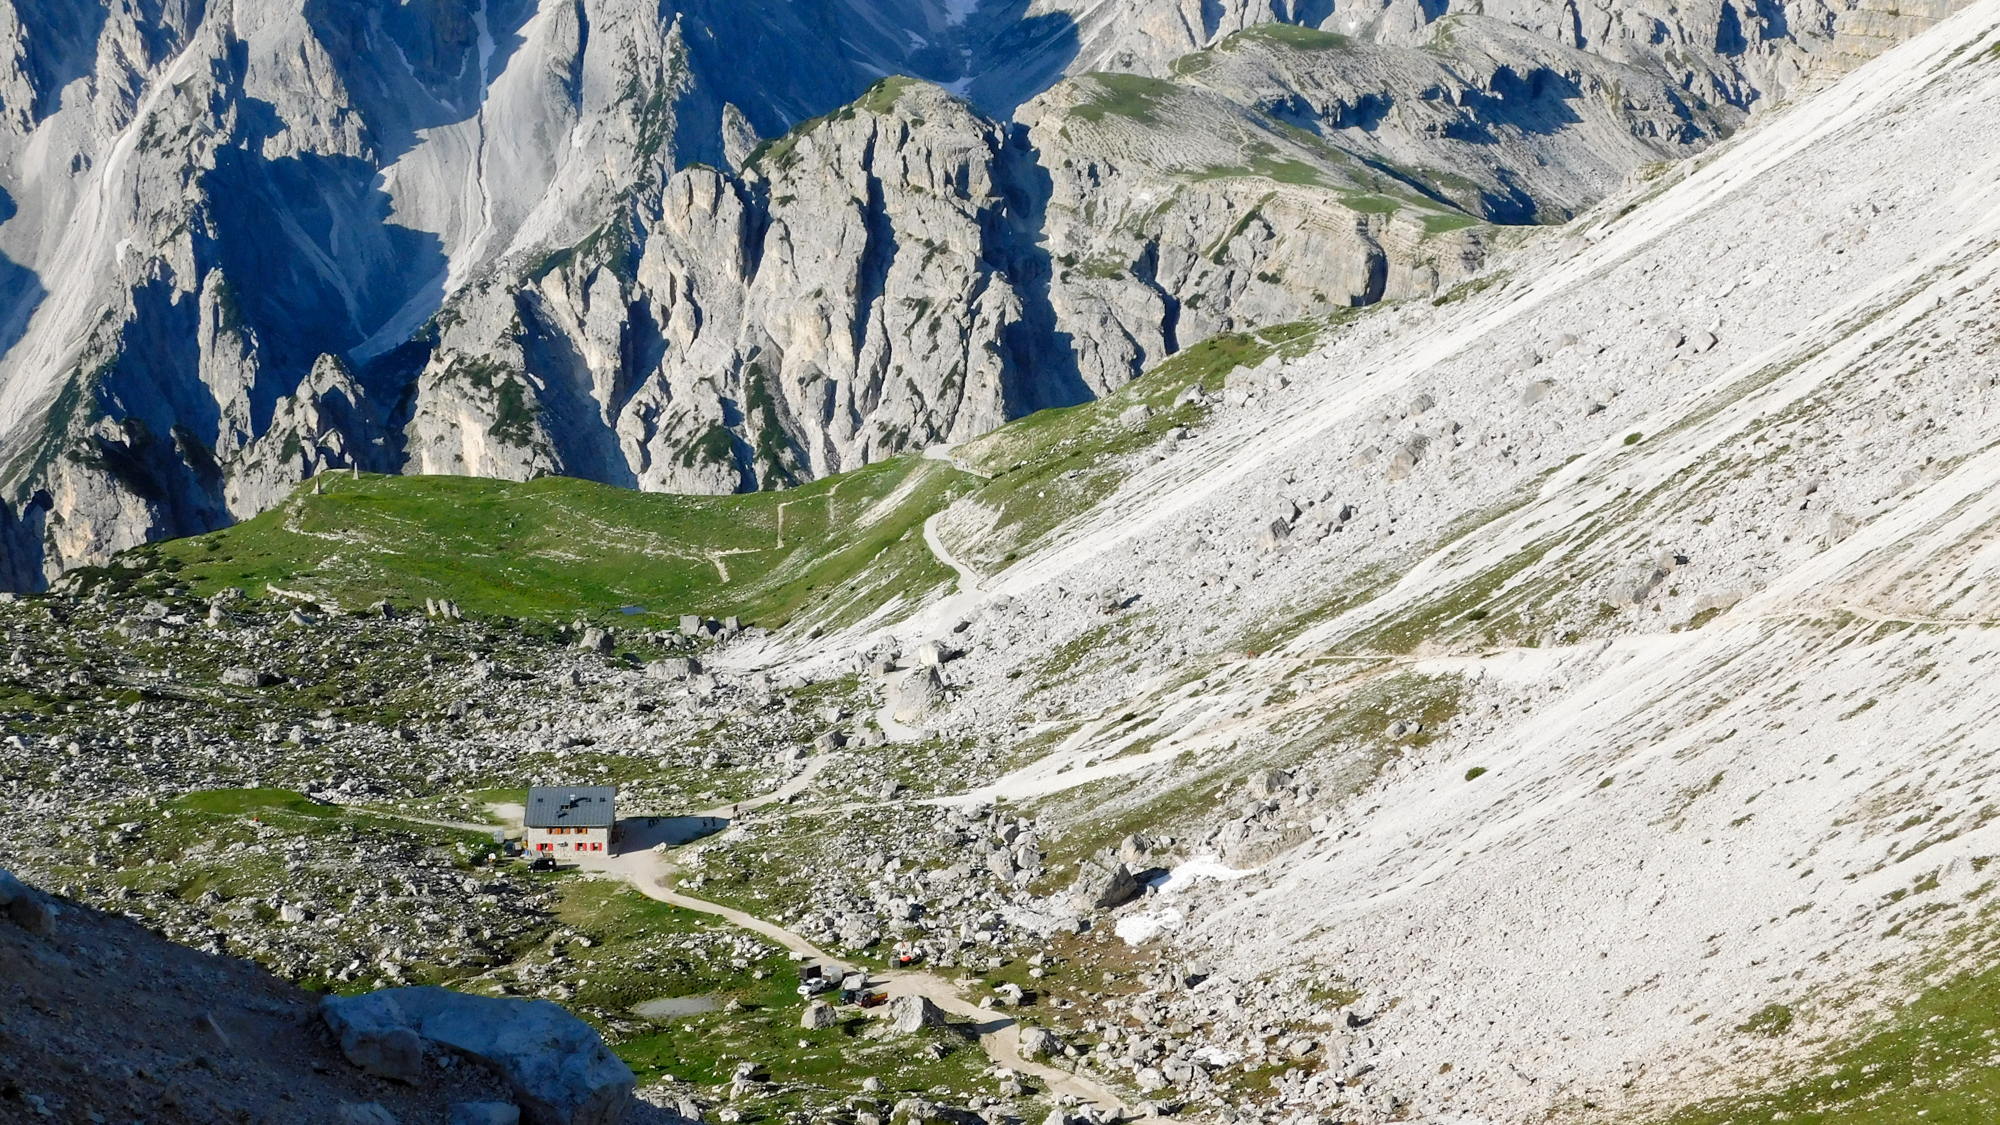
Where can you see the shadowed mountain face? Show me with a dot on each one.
(706, 246)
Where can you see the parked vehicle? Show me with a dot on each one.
(813, 980)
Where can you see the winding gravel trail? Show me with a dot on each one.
(649, 872)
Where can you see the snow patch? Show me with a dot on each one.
(1138, 929)
(1194, 871)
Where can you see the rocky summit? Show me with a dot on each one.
(998, 563)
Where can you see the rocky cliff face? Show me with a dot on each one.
(908, 271)
(854, 293)
(243, 243)
(261, 190)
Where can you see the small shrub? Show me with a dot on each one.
(1772, 1021)
(1634, 439)
(1474, 772)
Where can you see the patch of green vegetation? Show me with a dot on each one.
(1086, 646)
(1335, 995)
(1283, 171)
(1634, 438)
(879, 98)
(248, 802)
(883, 95)
(610, 245)
(1465, 290)
(1931, 1063)
(513, 420)
(559, 547)
(1369, 203)
(1475, 773)
(1133, 96)
(1291, 35)
(1430, 621)
(777, 462)
(716, 446)
(1448, 222)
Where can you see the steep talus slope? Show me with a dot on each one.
(1673, 537)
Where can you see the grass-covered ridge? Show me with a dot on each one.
(1289, 35)
(833, 551)
(1054, 465)
(560, 547)
(881, 98)
(1125, 95)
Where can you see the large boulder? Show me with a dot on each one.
(1265, 784)
(911, 1014)
(248, 677)
(911, 698)
(24, 906)
(10, 887)
(673, 668)
(1104, 886)
(1039, 1042)
(560, 1071)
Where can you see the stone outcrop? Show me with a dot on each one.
(327, 423)
(559, 1069)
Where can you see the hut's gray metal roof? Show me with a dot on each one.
(572, 806)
